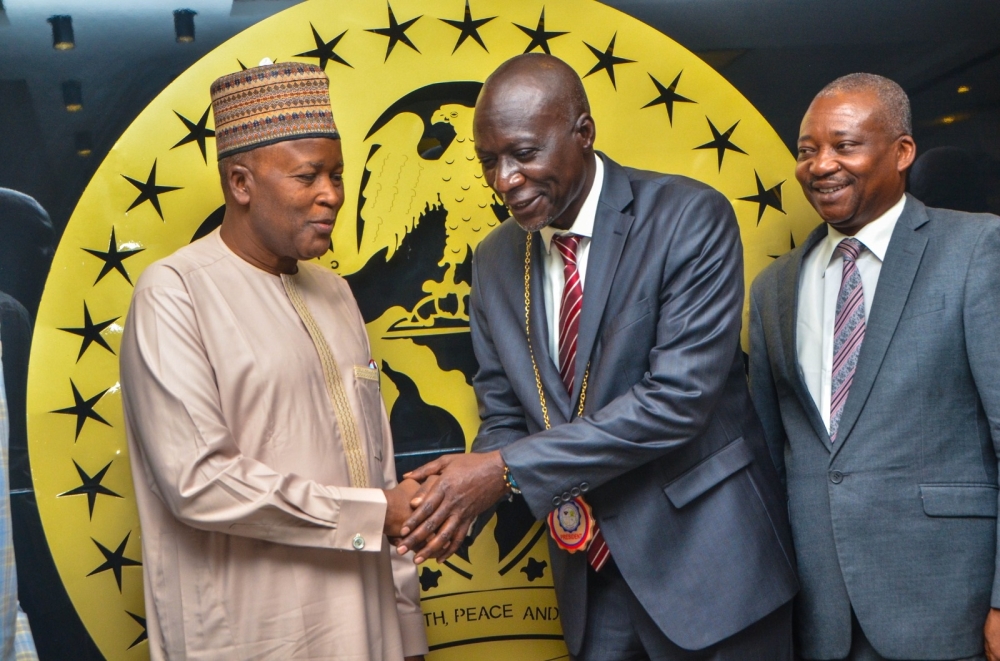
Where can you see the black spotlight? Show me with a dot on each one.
(184, 25)
(72, 95)
(62, 32)
(84, 143)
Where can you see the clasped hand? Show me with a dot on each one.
(432, 510)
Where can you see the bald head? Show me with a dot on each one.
(543, 81)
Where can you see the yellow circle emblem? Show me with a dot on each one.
(404, 78)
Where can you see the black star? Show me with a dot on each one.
(765, 197)
(539, 37)
(196, 133)
(91, 332)
(115, 560)
(141, 621)
(720, 141)
(791, 245)
(607, 60)
(534, 569)
(469, 28)
(668, 97)
(91, 486)
(324, 49)
(149, 191)
(113, 258)
(396, 32)
(83, 409)
(429, 578)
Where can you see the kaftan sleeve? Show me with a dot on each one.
(404, 573)
(404, 570)
(192, 463)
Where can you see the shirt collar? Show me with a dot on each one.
(584, 223)
(874, 236)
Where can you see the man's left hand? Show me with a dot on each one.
(991, 634)
(456, 489)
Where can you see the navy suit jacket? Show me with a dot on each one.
(898, 518)
(669, 452)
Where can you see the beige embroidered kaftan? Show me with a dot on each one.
(255, 546)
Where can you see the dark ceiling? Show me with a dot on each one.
(777, 52)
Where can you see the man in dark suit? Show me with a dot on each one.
(875, 368)
(606, 320)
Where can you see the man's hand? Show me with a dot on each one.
(398, 509)
(456, 489)
(991, 633)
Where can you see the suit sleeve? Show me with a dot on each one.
(502, 417)
(697, 340)
(192, 462)
(981, 311)
(762, 389)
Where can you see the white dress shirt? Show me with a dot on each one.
(819, 287)
(554, 280)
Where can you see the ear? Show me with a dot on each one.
(906, 152)
(585, 130)
(239, 180)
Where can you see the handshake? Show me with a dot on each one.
(432, 510)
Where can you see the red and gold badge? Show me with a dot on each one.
(572, 525)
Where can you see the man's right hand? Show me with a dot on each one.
(398, 509)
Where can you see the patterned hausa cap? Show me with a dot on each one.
(271, 103)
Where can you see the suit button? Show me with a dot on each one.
(358, 542)
(566, 497)
(584, 486)
(836, 477)
(556, 501)
(574, 492)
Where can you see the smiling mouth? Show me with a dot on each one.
(522, 204)
(828, 189)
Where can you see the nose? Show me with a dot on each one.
(823, 163)
(331, 194)
(507, 176)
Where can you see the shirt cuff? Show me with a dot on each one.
(413, 633)
(361, 519)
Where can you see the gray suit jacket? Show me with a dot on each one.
(669, 451)
(898, 519)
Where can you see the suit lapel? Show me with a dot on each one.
(611, 228)
(788, 302)
(906, 248)
(555, 391)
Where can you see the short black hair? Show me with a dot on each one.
(895, 104)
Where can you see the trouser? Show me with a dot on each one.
(620, 629)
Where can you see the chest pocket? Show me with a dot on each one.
(366, 384)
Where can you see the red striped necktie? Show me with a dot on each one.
(569, 330)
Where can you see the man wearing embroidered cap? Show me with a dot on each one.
(260, 447)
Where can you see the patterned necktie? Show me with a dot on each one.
(569, 329)
(848, 331)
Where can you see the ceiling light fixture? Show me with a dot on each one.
(964, 89)
(84, 144)
(184, 25)
(72, 95)
(62, 32)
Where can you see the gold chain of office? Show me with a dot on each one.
(531, 351)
